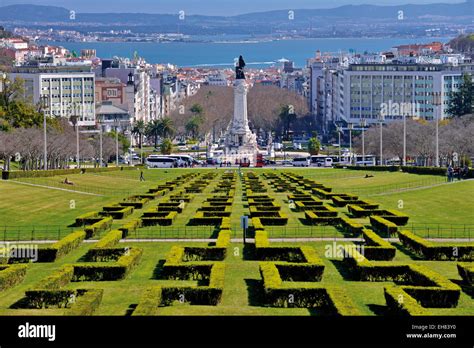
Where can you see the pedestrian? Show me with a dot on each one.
(465, 172)
(450, 173)
(142, 178)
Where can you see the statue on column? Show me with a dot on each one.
(239, 69)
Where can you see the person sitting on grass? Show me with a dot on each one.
(368, 176)
(67, 182)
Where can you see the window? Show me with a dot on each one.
(112, 92)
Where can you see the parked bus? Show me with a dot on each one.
(161, 162)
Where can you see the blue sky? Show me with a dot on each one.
(206, 7)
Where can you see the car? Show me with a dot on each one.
(286, 163)
(195, 147)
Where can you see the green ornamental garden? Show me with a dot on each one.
(319, 242)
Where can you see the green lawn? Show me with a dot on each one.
(32, 206)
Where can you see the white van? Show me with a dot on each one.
(300, 162)
(161, 162)
(321, 161)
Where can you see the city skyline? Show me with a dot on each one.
(212, 7)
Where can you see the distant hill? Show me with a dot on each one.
(37, 13)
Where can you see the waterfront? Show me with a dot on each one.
(258, 53)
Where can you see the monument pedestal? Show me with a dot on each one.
(240, 142)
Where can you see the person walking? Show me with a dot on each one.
(450, 173)
(142, 177)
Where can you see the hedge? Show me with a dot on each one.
(407, 169)
(162, 219)
(429, 288)
(116, 212)
(102, 225)
(107, 272)
(314, 218)
(83, 219)
(383, 225)
(57, 280)
(277, 294)
(466, 271)
(11, 275)
(377, 248)
(111, 239)
(431, 251)
(86, 303)
(131, 226)
(68, 243)
(223, 239)
(149, 302)
(400, 303)
(350, 226)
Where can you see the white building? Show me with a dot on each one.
(63, 90)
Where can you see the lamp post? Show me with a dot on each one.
(381, 119)
(350, 126)
(100, 146)
(363, 124)
(404, 160)
(75, 123)
(339, 130)
(437, 112)
(116, 142)
(44, 103)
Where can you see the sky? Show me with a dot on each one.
(206, 7)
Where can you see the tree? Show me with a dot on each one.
(287, 117)
(461, 101)
(314, 145)
(166, 147)
(197, 109)
(193, 125)
(139, 130)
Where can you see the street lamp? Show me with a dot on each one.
(363, 124)
(339, 130)
(116, 122)
(44, 100)
(437, 112)
(75, 123)
(381, 119)
(404, 161)
(350, 126)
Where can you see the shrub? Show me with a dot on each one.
(116, 212)
(57, 280)
(377, 248)
(382, 225)
(466, 271)
(149, 302)
(400, 303)
(350, 226)
(431, 251)
(11, 275)
(81, 220)
(86, 303)
(131, 226)
(68, 243)
(166, 219)
(111, 239)
(223, 239)
(314, 218)
(99, 226)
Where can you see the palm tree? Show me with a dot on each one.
(139, 130)
(160, 128)
(166, 127)
(192, 126)
(287, 117)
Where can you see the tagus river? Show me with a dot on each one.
(257, 53)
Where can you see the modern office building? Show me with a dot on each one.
(63, 90)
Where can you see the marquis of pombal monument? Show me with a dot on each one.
(240, 142)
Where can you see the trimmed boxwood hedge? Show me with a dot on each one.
(430, 251)
(383, 226)
(87, 302)
(376, 248)
(149, 302)
(466, 271)
(101, 225)
(11, 275)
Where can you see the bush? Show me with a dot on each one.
(130, 227)
(383, 226)
(377, 248)
(87, 302)
(400, 303)
(149, 302)
(223, 239)
(11, 275)
(68, 243)
(116, 212)
(314, 218)
(431, 251)
(466, 271)
(350, 227)
(83, 219)
(111, 239)
(99, 226)
(57, 280)
(163, 219)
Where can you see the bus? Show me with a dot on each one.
(300, 162)
(359, 160)
(161, 162)
(321, 161)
